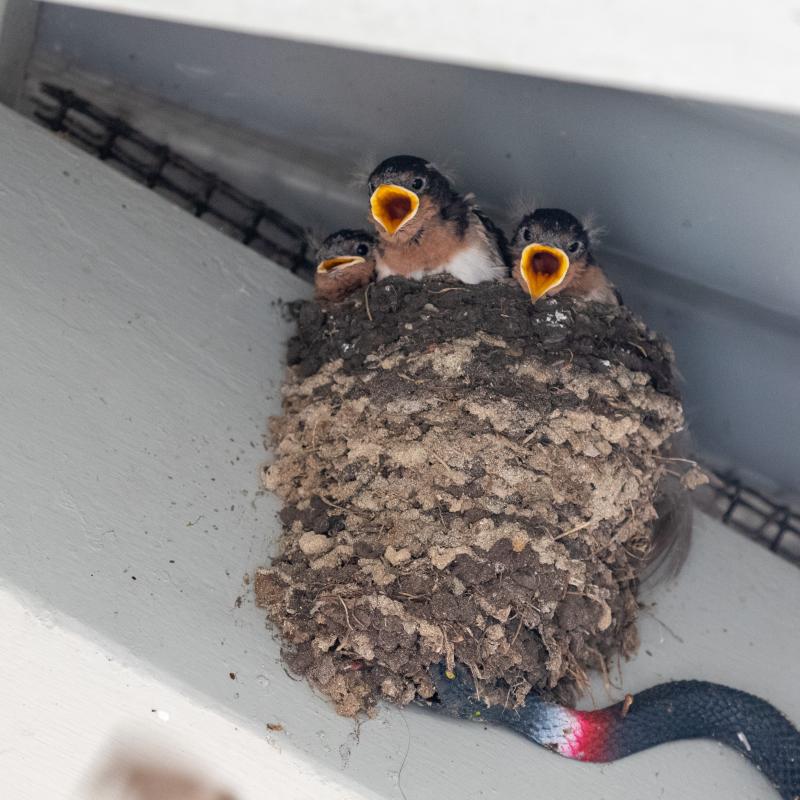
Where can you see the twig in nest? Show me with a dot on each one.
(673, 458)
(607, 682)
(346, 615)
(564, 362)
(639, 348)
(519, 628)
(573, 530)
(409, 378)
(581, 678)
(449, 652)
(364, 625)
(341, 508)
(612, 541)
(443, 463)
(511, 688)
(476, 676)
(366, 302)
(450, 289)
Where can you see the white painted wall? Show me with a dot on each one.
(141, 353)
(77, 712)
(700, 201)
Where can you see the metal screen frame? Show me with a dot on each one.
(202, 193)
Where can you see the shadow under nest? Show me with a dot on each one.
(468, 478)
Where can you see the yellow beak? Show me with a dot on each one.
(339, 261)
(543, 268)
(393, 206)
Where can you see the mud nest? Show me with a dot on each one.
(465, 477)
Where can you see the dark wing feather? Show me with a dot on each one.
(457, 210)
(495, 235)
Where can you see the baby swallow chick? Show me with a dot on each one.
(346, 263)
(424, 226)
(551, 253)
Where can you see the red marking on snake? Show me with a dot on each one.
(588, 737)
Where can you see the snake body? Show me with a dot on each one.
(665, 713)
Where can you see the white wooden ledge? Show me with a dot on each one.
(141, 354)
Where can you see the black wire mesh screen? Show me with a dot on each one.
(758, 516)
(199, 191)
(272, 234)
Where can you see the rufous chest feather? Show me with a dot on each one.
(430, 252)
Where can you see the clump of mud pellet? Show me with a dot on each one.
(465, 477)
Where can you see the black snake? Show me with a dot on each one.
(665, 713)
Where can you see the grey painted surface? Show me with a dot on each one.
(718, 50)
(740, 369)
(17, 36)
(705, 195)
(141, 353)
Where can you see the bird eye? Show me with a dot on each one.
(362, 250)
(573, 247)
(526, 234)
(417, 184)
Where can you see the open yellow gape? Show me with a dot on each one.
(339, 261)
(543, 268)
(393, 206)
